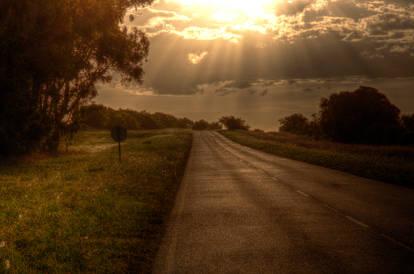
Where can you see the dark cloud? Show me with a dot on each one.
(383, 23)
(289, 8)
(241, 84)
(169, 72)
(349, 8)
(346, 9)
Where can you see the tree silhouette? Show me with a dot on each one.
(295, 123)
(201, 125)
(364, 115)
(52, 53)
(233, 123)
(407, 122)
(102, 117)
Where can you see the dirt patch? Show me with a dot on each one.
(92, 148)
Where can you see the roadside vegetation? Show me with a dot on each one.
(204, 125)
(360, 132)
(103, 117)
(82, 211)
(52, 56)
(363, 116)
(392, 163)
(234, 123)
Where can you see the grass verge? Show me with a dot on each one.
(393, 164)
(85, 212)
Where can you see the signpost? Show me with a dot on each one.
(119, 134)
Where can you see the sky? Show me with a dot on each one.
(265, 59)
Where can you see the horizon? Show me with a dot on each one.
(266, 61)
(306, 98)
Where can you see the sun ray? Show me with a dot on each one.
(231, 11)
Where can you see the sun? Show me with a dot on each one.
(243, 7)
(235, 11)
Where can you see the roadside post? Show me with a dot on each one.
(119, 134)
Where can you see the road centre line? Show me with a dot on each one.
(356, 221)
(401, 244)
(396, 242)
(302, 193)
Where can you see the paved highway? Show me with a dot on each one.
(243, 211)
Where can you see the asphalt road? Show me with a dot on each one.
(243, 211)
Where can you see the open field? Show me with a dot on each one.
(84, 212)
(393, 164)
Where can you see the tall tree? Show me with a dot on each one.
(364, 115)
(52, 53)
(295, 123)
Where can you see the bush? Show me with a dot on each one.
(407, 138)
(295, 123)
(362, 116)
(407, 122)
(233, 123)
(102, 117)
(201, 125)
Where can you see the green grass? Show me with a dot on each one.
(393, 164)
(84, 212)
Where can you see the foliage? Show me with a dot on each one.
(295, 123)
(102, 117)
(233, 123)
(204, 125)
(362, 116)
(85, 213)
(200, 125)
(52, 53)
(215, 126)
(393, 164)
(407, 122)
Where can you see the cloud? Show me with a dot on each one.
(297, 39)
(195, 58)
(383, 23)
(291, 7)
(273, 99)
(240, 84)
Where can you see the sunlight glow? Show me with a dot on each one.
(227, 19)
(234, 11)
(196, 58)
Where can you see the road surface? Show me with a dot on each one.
(239, 210)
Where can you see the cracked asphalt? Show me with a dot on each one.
(239, 210)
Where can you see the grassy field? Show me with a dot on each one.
(82, 211)
(393, 164)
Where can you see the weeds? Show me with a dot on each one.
(393, 164)
(84, 212)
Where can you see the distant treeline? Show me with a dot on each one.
(363, 116)
(102, 117)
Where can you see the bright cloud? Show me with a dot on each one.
(374, 20)
(195, 58)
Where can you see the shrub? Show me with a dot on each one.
(201, 125)
(233, 123)
(359, 116)
(295, 123)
